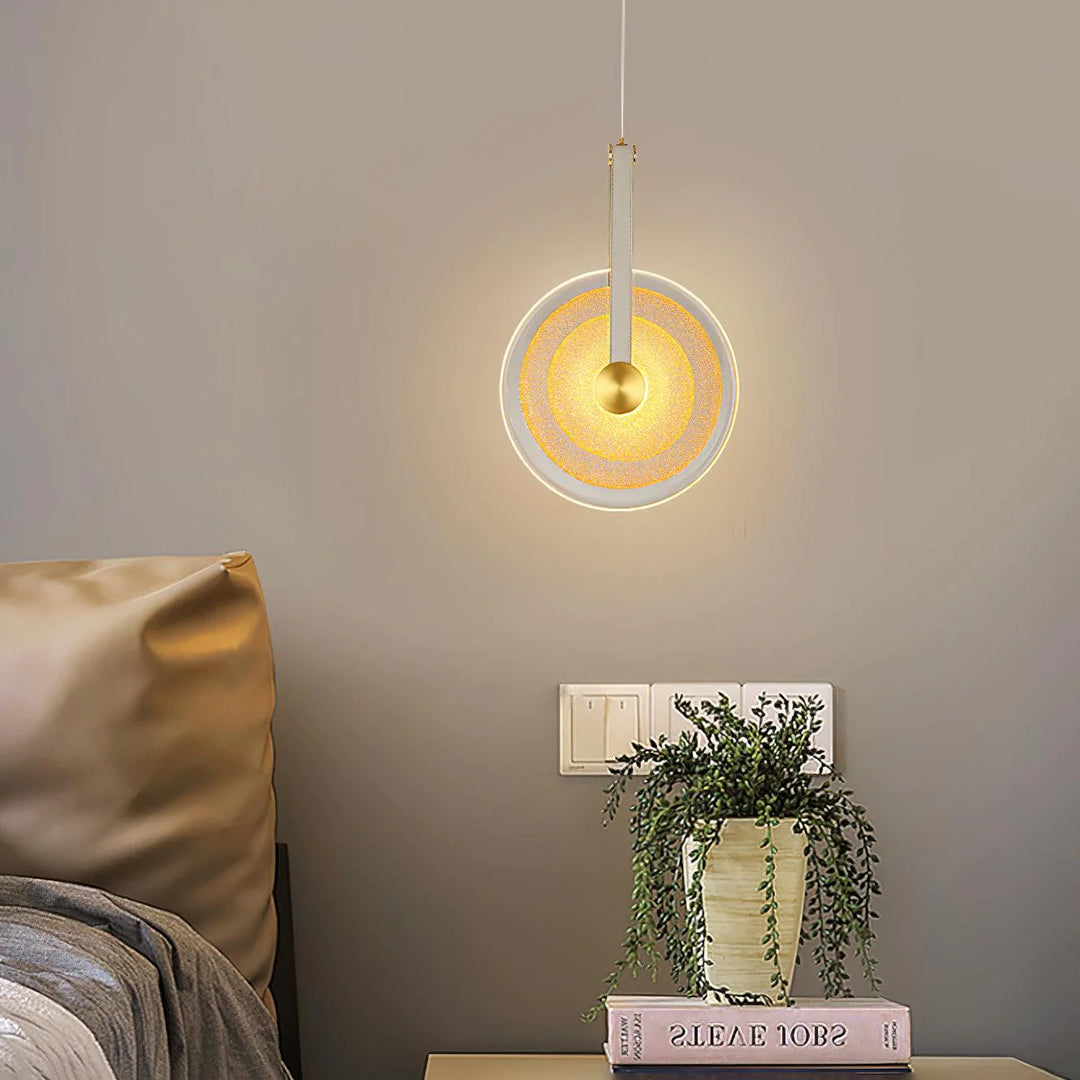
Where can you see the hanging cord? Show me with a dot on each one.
(622, 76)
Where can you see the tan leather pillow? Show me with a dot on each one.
(135, 752)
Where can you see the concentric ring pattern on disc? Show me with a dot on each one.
(604, 459)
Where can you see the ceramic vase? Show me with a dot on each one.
(734, 924)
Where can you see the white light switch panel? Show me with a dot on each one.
(751, 694)
(597, 723)
(667, 720)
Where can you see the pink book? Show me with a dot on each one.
(815, 1031)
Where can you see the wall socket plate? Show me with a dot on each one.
(823, 740)
(667, 720)
(599, 721)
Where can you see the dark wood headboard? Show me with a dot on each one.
(283, 981)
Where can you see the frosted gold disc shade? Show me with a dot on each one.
(674, 405)
(620, 387)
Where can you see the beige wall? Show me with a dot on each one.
(260, 262)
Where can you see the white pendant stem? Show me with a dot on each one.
(621, 249)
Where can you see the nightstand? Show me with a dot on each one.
(595, 1067)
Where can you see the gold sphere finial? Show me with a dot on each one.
(620, 387)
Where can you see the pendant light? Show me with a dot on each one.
(619, 387)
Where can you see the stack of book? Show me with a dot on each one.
(669, 1037)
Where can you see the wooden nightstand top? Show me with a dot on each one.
(594, 1067)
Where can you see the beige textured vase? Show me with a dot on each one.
(734, 868)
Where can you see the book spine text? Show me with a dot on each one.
(755, 1035)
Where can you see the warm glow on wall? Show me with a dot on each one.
(619, 387)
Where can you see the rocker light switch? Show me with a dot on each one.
(620, 725)
(588, 731)
(597, 723)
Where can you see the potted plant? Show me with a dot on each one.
(746, 844)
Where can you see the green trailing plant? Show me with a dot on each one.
(743, 767)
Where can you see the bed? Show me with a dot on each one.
(145, 913)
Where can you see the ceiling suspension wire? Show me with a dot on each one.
(622, 76)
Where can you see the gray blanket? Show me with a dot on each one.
(162, 1002)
